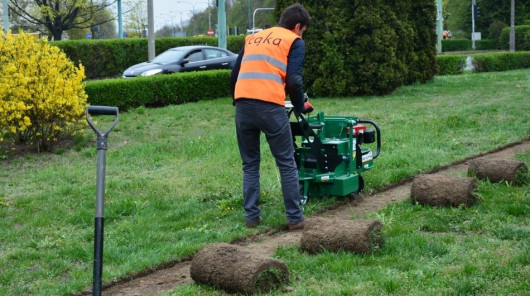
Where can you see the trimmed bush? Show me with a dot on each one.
(492, 62)
(110, 57)
(451, 64)
(456, 45)
(159, 90)
(486, 44)
(486, 62)
(522, 38)
(41, 92)
(466, 45)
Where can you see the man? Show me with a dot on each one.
(269, 64)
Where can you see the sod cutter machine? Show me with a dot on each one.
(329, 155)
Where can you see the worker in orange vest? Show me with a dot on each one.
(268, 66)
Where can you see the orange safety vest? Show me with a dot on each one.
(264, 65)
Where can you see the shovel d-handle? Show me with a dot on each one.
(100, 190)
(102, 110)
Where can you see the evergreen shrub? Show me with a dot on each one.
(365, 47)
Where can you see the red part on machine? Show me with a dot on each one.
(359, 128)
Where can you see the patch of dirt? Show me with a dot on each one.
(167, 278)
(9, 150)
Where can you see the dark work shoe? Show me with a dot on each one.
(297, 226)
(253, 224)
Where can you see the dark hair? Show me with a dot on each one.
(293, 15)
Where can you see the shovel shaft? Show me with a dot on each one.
(100, 190)
(100, 184)
(98, 256)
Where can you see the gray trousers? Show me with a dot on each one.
(253, 117)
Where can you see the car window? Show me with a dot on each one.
(214, 53)
(195, 56)
(168, 56)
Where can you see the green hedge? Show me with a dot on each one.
(486, 62)
(159, 90)
(494, 62)
(178, 88)
(522, 38)
(465, 45)
(456, 45)
(110, 57)
(451, 64)
(486, 44)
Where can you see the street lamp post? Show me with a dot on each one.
(254, 16)
(170, 15)
(6, 17)
(193, 10)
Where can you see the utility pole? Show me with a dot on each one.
(473, 3)
(512, 27)
(221, 24)
(439, 26)
(6, 17)
(150, 30)
(249, 10)
(120, 21)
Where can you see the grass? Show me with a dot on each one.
(479, 250)
(173, 185)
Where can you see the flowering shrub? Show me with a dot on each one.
(42, 97)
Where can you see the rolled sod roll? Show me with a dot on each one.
(235, 269)
(499, 170)
(440, 190)
(358, 236)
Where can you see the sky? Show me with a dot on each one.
(176, 11)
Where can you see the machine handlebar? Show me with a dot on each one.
(378, 150)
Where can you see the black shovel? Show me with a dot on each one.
(100, 188)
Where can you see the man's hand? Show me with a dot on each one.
(308, 108)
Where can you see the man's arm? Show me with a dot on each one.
(235, 73)
(294, 82)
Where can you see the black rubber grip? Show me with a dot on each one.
(102, 110)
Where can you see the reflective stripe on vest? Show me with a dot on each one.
(264, 65)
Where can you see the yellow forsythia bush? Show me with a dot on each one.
(42, 96)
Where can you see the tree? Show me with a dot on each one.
(58, 16)
(237, 15)
(491, 12)
(135, 18)
(105, 30)
(367, 47)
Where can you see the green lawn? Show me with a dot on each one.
(174, 185)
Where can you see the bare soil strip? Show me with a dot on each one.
(169, 276)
